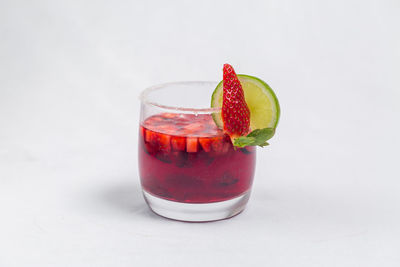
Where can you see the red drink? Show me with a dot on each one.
(186, 158)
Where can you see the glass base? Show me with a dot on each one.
(198, 212)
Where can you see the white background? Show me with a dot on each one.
(326, 191)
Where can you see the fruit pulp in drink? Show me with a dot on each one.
(186, 158)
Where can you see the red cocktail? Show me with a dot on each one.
(189, 169)
(196, 163)
(186, 158)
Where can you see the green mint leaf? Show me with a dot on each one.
(264, 134)
(243, 141)
(264, 144)
(257, 137)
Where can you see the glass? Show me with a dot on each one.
(189, 169)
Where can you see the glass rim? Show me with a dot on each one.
(145, 93)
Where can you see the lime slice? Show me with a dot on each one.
(260, 98)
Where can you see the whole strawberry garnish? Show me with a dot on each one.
(235, 112)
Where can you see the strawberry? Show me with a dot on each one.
(226, 144)
(205, 143)
(191, 144)
(150, 136)
(235, 112)
(178, 143)
(142, 131)
(164, 142)
(217, 144)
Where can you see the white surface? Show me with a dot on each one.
(326, 191)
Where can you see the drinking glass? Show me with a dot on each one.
(189, 169)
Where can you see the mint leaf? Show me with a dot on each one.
(257, 137)
(264, 144)
(243, 141)
(262, 135)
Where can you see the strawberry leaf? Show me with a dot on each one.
(257, 137)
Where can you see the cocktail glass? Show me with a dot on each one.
(189, 169)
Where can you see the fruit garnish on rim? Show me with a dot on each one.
(249, 108)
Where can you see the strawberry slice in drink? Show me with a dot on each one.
(164, 141)
(205, 143)
(178, 143)
(217, 143)
(191, 144)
